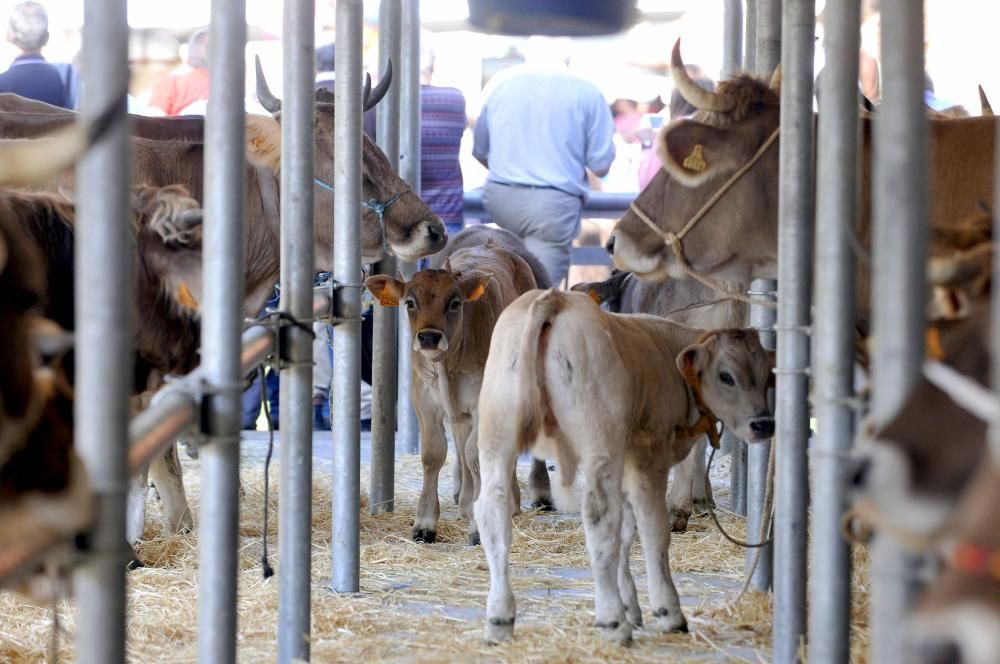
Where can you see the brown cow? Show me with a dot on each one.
(737, 237)
(623, 397)
(452, 313)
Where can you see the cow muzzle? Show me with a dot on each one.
(762, 428)
(628, 257)
(430, 341)
(427, 237)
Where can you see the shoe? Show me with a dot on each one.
(366, 425)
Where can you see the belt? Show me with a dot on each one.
(533, 186)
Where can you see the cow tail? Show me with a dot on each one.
(534, 406)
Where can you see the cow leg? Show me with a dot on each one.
(626, 584)
(461, 431)
(702, 489)
(472, 462)
(680, 496)
(493, 515)
(136, 507)
(456, 477)
(433, 451)
(165, 473)
(644, 481)
(539, 487)
(602, 522)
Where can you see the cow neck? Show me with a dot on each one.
(267, 181)
(674, 240)
(707, 422)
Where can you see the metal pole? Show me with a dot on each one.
(295, 344)
(768, 36)
(732, 37)
(225, 169)
(758, 454)
(103, 336)
(833, 367)
(381, 492)
(346, 404)
(796, 210)
(898, 257)
(737, 472)
(750, 38)
(409, 169)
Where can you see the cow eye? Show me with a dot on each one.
(455, 305)
(411, 303)
(727, 378)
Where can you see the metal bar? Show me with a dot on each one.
(223, 259)
(737, 472)
(758, 456)
(103, 336)
(409, 170)
(768, 36)
(833, 366)
(750, 38)
(898, 258)
(796, 210)
(346, 403)
(296, 348)
(732, 37)
(381, 493)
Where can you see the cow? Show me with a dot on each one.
(737, 236)
(690, 303)
(623, 397)
(452, 311)
(540, 492)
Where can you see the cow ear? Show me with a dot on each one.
(387, 290)
(473, 284)
(263, 138)
(692, 152)
(692, 360)
(50, 340)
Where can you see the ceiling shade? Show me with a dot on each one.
(571, 18)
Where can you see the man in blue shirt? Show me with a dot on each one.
(30, 75)
(538, 133)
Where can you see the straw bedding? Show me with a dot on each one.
(425, 603)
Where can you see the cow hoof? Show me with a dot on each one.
(455, 497)
(679, 520)
(135, 562)
(634, 617)
(190, 448)
(543, 504)
(424, 535)
(474, 539)
(499, 630)
(616, 632)
(666, 621)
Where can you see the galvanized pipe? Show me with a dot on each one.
(833, 357)
(223, 251)
(768, 36)
(295, 343)
(759, 454)
(898, 258)
(796, 210)
(346, 403)
(409, 169)
(381, 493)
(732, 37)
(750, 38)
(737, 472)
(103, 336)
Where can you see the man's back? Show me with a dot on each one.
(542, 127)
(32, 77)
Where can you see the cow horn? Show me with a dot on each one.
(697, 96)
(264, 96)
(190, 218)
(984, 103)
(941, 270)
(374, 96)
(775, 83)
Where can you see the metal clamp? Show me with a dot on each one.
(804, 371)
(804, 329)
(336, 316)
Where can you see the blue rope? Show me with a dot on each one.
(373, 204)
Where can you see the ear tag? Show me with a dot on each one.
(696, 160)
(478, 293)
(258, 143)
(185, 297)
(387, 299)
(594, 296)
(932, 341)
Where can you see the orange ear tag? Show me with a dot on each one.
(387, 299)
(696, 160)
(185, 297)
(478, 293)
(932, 342)
(594, 296)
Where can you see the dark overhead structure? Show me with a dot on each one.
(572, 18)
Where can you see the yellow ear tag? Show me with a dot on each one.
(594, 296)
(478, 293)
(185, 297)
(696, 160)
(258, 143)
(932, 341)
(387, 299)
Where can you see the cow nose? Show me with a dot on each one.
(429, 338)
(434, 234)
(610, 244)
(939, 651)
(857, 471)
(762, 427)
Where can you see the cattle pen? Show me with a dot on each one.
(784, 578)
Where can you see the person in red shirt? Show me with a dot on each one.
(187, 93)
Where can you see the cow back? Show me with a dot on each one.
(478, 235)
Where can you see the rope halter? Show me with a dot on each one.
(373, 204)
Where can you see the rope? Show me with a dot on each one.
(767, 497)
(267, 569)
(373, 204)
(867, 514)
(766, 526)
(673, 240)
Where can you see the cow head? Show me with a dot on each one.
(411, 229)
(437, 302)
(607, 293)
(734, 373)
(737, 237)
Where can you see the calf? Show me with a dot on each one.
(690, 303)
(452, 313)
(624, 397)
